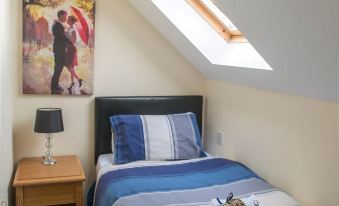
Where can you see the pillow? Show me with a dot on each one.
(155, 137)
(112, 140)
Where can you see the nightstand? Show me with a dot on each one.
(37, 184)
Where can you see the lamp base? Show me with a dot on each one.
(47, 158)
(47, 161)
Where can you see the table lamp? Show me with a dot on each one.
(48, 121)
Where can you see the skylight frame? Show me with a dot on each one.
(217, 20)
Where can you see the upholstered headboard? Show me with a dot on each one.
(152, 105)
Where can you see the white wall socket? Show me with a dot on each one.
(220, 138)
(3, 202)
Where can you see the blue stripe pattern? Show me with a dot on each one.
(205, 173)
(197, 136)
(173, 137)
(184, 137)
(132, 148)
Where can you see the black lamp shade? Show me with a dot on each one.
(48, 120)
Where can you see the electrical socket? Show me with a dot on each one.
(220, 138)
(3, 202)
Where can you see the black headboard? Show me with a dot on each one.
(152, 105)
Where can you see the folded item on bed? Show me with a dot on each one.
(187, 182)
(275, 198)
(155, 137)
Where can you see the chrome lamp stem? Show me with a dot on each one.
(48, 160)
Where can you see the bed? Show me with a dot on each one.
(194, 181)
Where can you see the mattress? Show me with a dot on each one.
(177, 183)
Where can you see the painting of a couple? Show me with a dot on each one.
(58, 47)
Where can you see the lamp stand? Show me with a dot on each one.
(48, 160)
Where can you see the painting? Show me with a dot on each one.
(58, 46)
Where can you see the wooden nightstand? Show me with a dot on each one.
(37, 184)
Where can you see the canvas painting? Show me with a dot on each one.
(58, 46)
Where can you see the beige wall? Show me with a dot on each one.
(289, 141)
(6, 143)
(131, 58)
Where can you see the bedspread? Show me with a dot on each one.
(186, 182)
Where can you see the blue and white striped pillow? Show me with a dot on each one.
(155, 137)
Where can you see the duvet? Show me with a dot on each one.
(185, 182)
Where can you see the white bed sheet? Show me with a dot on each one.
(105, 163)
(104, 160)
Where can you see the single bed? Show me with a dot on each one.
(196, 181)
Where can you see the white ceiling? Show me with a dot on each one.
(298, 39)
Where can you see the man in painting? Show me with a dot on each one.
(59, 49)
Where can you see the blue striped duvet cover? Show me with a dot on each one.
(176, 182)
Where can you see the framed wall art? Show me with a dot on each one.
(58, 46)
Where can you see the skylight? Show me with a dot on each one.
(206, 38)
(216, 11)
(217, 20)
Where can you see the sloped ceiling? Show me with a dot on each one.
(299, 39)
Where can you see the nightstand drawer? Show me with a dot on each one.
(51, 194)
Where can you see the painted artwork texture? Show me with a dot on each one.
(58, 46)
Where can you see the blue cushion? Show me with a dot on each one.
(155, 137)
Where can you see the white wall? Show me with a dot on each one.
(6, 148)
(288, 140)
(131, 58)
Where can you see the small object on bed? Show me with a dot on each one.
(235, 202)
(231, 202)
(248, 201)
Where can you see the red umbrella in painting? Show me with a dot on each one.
(83, 28)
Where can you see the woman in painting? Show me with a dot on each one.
(71, 51)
